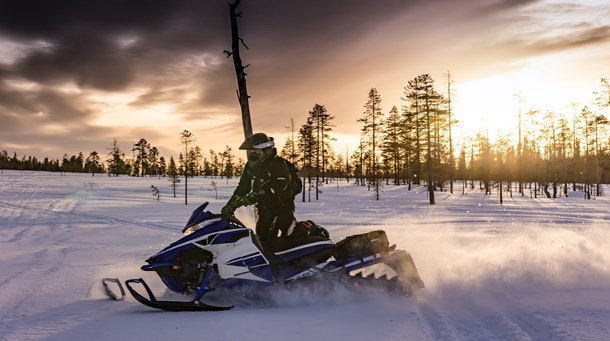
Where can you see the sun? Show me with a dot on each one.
(492, 105)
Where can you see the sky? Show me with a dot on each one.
(75, 75)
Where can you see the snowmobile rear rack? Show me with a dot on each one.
(152, 301)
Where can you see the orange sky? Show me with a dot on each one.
(75, 75)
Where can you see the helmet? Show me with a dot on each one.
(258, 141)
(259, 147)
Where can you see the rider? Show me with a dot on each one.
(268, 182)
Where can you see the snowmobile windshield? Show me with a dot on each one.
(201, 225)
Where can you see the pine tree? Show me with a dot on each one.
(307, 146)
(320, 120)
(116, 163)
(173, 175)
(290, 145)
(423, 112)
(372, 127)
(392, 143)
(141, 161)
(92, 163)
(153, 161)
(228, 157)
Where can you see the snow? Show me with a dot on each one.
(530, 269)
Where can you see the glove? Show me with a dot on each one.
(233, 204)
(228, 210)
(252, 197)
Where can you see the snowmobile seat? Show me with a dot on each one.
(293, 249)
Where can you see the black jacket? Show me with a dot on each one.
(271, 181)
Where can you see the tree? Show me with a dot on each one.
(162, 166)
(372, 127)
(173, 175)
(228, 157)
(4, 161)
(153, 162)
(116, 163)
(320, 120)
(242, 90)
(603, 96)
(599, 123)
(451, 161)
(392, 142)
(74, 163)
(587, 117)
(141, 161)
(564, 137)
(214, 164)
(423, 112)
(186, 137)
(193, 157)
(289, 150)
(413, 130)
(307, 146)
(92, 163)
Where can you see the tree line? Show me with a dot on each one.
(145, 160)
(415, 146)
(410, 144)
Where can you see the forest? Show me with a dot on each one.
(547, 154)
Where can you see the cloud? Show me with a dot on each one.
(586, 37)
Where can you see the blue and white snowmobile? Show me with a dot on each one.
(219, 252)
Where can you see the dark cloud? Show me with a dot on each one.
(31, 19)
(89, 61)
(44, 105)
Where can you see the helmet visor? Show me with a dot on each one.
(254, 155)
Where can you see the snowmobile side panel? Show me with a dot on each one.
(307, 249)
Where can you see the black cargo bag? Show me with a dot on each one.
(362, 245)
(308, 228)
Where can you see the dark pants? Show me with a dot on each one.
(270, 222)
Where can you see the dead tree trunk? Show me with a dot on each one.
(242, 91)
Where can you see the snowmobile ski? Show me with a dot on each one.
(109, 292)
(169, 305)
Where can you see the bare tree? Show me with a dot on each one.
(451, 161)
(242, 90)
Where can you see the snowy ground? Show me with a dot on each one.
(531, 269)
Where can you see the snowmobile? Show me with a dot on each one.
(217, 252)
